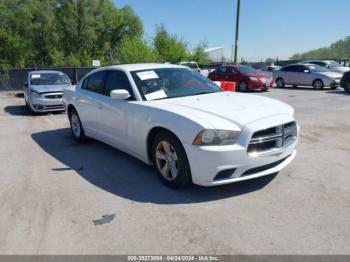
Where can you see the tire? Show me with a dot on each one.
(280, 83)
(170, 161)
(318, 84)
(243, 87)
(76, 127)
(347, 90)
(30, 110)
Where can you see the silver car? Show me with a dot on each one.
(307, 75)
(330, 64)
(43, 90)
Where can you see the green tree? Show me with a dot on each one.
(168, 47)
(199, 55)
(339, 49)
(270, 61)
(135, 50)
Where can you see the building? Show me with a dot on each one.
(215, 54)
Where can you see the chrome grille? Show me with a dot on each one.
(274, 138)
(53, 96)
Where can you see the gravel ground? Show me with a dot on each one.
(52, 189)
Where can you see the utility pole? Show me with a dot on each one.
(237, 29)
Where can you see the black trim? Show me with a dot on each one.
(263, 168)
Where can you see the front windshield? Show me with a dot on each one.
(49, 79)
(317, 68)
(334, 64)
(168, 83)
(247, 70)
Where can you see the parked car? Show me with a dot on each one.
(246, 77)
(269, 69)
(307, 75)
(43, 90)
(345, 82)
(193, 65)
(330, 64)
(182, 123)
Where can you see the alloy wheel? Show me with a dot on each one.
(167, 160)
(75, 124)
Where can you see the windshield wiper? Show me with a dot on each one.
(196, 94)
(202, 93)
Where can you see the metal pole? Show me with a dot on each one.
(232, 54)
(237, 29)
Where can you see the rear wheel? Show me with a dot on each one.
(347, 90)
(280, 83)
(170, 161)
(76, 126)
(318, 84)
(243, 87)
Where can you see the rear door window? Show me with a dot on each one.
(95, 82)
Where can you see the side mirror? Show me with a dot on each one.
(25, 84)
(119, 94)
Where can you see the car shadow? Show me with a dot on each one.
(22, 110)
(338, 92)
(19, 95)
(124, 176)
(18, 110)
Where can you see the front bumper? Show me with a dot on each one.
(335, 83)
(206, 162)
(43, 104)
(260, 85)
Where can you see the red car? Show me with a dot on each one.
(246, 77)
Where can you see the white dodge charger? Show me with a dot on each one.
(186, 126)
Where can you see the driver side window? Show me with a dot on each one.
(117, 80)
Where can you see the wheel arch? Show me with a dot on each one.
(70, 108)
(318, 79)
(150, 138)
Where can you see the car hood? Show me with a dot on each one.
(48, 88)
(331, 74)
(221, 109)
(341, 68)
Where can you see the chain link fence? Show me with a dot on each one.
(14, 78)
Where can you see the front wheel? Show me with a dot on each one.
(243, 87)
(318, 84)
(170, 161)
(76, 126)
(280, 83)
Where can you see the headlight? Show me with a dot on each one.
(253, 78)
(211, 137)
(34, 94)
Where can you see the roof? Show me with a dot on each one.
(212, 49)
(45, 71)
(136, 67)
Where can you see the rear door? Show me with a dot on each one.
(223, 73)
(88, 103)
(303, 76)
(289, 74)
